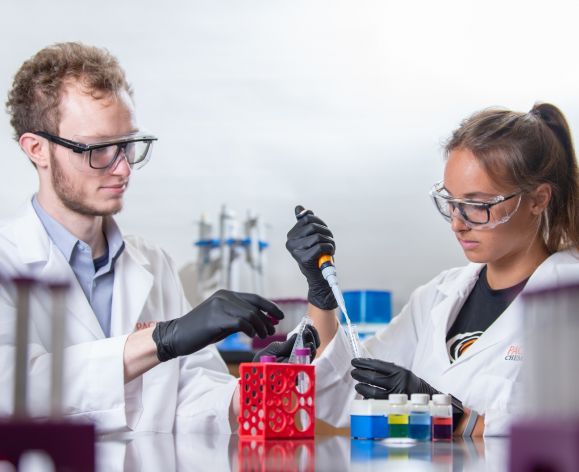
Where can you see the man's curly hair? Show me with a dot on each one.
(34, 99)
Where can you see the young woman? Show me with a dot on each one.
(510, 192)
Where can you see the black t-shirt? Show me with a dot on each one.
(482, 307)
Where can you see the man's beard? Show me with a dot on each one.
(70, 197)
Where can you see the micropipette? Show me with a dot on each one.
(326, 265)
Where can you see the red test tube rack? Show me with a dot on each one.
(277, 400)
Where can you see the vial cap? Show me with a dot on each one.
(420, 398)
(398, 398)
(303, 351)
(267, 359)
(441, 399)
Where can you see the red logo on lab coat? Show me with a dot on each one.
(514, 353)
(143, 325)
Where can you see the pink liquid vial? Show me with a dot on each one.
(441, 412)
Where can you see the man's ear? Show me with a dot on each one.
(36, 148)
(540, 198)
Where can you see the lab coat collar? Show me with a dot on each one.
(133, 283)
(133, 280)
(461, 285)
(455, 291)
(44, 260)
(553, 270)
(33, 241)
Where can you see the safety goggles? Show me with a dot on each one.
(475, 214)
(98, 155)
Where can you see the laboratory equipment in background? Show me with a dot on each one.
(57, 442)
(230, 255)
(548, 437)
(369, 310)
(276, 400)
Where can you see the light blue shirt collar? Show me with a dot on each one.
(67, 242)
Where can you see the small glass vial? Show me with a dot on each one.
(441, 412)
(419, 417)
(398, 415)
(302, 355)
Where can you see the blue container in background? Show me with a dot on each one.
(368, 306)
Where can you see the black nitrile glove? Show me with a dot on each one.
(306, 242)
(222, 314)
(378, 379)
(282, 350)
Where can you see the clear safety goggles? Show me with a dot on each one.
(96, 155)
(475, 214)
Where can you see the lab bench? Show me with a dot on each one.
(229, 453)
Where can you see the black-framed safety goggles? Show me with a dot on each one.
(475, 214)
(136, 148)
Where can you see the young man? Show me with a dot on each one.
(72, 112)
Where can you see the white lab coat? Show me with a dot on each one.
(189, 394)
(485, 378)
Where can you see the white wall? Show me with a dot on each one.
(338, 105)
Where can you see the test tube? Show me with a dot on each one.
(299, 342)
(352, 333)
(303, 357)
(303, 384)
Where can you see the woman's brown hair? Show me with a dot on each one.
(525, 150)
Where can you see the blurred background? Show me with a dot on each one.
(341, 106)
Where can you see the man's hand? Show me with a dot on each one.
(306, 242)
(282, 350)
(222, 314)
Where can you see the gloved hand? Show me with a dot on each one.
(306, 242)
(282, 350)
(378, 379)
(222, 314)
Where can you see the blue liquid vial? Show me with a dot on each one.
(419, 420)
(419, 426)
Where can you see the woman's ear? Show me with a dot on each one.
(540, 198)
(36, 148)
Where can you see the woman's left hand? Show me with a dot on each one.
(378, 379)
